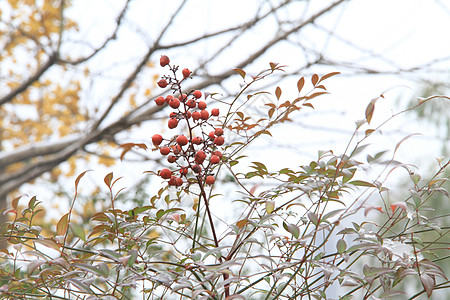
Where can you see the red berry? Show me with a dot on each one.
(168, 97)
(174, 103)
(173, 115)
(215, 112)
(157, 139)
(191, 103)
(183, 171)
(173, 123)
(201, 105)
(210, 180)
(215, 159)
(196, 168)
(162, 83)
(164, 150)
(176, 149)
(200, 157)
(212, 135)
(218, 131)
(217, 153)
(165, 173)
(182, 97)
(186, 73)
(219, 140)
(197, 94)
(196, 115)
(178, 181)
(172, 158)
(160, 101)
(182, 140)
(204, 114)
(197, 140)
(173, 180)
(164, 60)
(188, 115)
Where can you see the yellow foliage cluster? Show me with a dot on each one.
(46, 110)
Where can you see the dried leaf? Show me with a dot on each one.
(326, 76)
(63, 223)
(108, 178)
(240, 72)
(315, 79)
(241, 223)
(300, 84)
(278, 92)
(369, 110)
(15, 202)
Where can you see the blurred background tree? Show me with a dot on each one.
(77, 78)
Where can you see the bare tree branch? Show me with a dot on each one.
(110, 38)
(52, 59)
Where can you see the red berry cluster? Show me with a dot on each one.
(198, 153)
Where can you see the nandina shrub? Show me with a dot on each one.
(304, 233)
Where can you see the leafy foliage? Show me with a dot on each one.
(301, 233)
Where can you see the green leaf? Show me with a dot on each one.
(362, 183)
(341, 246)
(332, 214)
(270, 206)
(313, 218)
(294, 230)
(391, 293)
(78, 231)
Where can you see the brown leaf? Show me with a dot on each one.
(328, 75)
(241, 223)
(278, 92)
(240, 72)
(369, 110)
(300, 84)
(315, 79)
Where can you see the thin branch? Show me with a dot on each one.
(128, 82)
(112, 37)
(53, 58)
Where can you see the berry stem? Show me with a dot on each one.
(203, 194)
